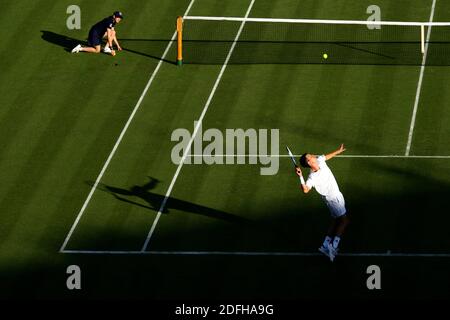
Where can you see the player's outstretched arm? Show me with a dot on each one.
(303, 185)
(117, 42)
(335, 153)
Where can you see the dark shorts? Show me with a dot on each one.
(94, 38)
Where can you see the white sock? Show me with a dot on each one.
(326, 241)
(336, 241)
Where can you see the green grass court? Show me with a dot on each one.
(227, 231)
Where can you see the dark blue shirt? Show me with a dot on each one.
(102, 26)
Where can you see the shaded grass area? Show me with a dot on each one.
(287, 277)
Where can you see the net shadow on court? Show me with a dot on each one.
(205, 52)
(345, 53)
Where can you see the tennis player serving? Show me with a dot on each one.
(322, 179)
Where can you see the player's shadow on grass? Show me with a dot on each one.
(153, 49)
(155, 201)
(60, 40)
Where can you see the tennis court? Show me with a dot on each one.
(102, 191)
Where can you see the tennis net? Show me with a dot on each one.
(207, 40)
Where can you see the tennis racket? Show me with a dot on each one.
(291, 156)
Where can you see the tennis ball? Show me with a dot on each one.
(325, 56)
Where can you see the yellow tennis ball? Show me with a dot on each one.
(325, 56)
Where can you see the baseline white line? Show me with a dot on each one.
(200, 120)
(419, 85)
(339, 156)
(257, 253)
(119, 139)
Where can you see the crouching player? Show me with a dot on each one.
(103, 29)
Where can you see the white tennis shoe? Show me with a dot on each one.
(107, 50)
(332, 252)
(324, 250)
(76, 49)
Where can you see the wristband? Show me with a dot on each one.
(302, 181)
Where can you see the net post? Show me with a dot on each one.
(179, 41)
(422, 38)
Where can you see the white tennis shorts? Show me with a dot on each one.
(336, 205)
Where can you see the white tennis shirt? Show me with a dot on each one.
(323, 180)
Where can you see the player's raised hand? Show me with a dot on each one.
(298, 171)
(335, 153)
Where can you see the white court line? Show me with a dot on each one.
(258, 253)
(390, 156)
(419, 85)
(200, 120)
(119, 139)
